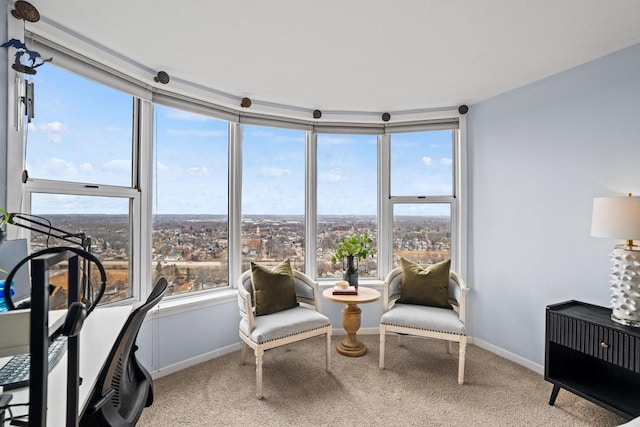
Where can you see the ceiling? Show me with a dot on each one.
(356, 55)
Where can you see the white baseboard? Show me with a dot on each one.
(361, 331)
(167, 370)
(539, 369)
(340, 331)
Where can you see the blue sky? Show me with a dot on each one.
(82, 133)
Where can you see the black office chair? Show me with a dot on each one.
(124, 387)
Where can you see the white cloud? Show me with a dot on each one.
(117, 165)
(161, 167)
(446, 161)
(331, 176)
(198, 171)
(57, 167)
(428, 161)
(86, 168)
(53, 131)
(274, 171)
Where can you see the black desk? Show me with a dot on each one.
(592, 356)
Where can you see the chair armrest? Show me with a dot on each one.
(307, 290)
(460, 295)
(245, 306)
(391, 288)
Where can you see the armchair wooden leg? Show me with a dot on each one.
(259, 354)
(463, 347)
(243, 353)
(382, 343)
(449, 347)
(328, 361)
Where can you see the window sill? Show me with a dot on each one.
(369, 283)
(188, 303)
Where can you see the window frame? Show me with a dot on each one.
(232, 175)
(43, 186)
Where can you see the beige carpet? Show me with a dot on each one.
(417, 388)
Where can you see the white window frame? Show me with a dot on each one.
(42, 186)
(456, 200)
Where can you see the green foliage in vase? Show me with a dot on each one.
(359, 246)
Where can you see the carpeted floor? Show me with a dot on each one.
(417, 388)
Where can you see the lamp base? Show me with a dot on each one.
(626, 322)
(625, 287)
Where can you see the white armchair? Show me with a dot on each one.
(424, 321)
(283, 327)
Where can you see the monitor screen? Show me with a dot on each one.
(11, 253)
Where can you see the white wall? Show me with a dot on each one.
(538, 156)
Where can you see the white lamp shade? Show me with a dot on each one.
(616, 218)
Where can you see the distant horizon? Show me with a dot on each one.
(244, 215)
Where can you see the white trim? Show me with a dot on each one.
(461, 199)
(539, 369)
(234, 213)
(170, 307)
(311, 205)
(362, 331)
(144, 183)
(385, 207)
(179, 366)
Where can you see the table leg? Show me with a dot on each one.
(351, 346)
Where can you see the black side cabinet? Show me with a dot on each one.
(592, 356)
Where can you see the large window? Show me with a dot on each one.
(347, 197)
(79, 157)
(273, 197)
(190, 239)
(165, 185)
(422, 195)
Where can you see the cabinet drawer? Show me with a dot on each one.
(595, 340)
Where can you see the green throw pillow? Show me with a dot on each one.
(273, 290)
(425, 285)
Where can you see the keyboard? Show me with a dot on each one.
(15, 373)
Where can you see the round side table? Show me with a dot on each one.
(351, 313)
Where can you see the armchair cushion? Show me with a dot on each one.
(425, 318)
(425, 286)
(283, 324)
(273, 289)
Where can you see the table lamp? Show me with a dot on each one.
(619, 218)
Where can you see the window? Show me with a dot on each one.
(346, 197)
(82, 130)
(421, 232)
(273, 196)
(79, 156)
(422, 195)
(106, 220)
(190, 238)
